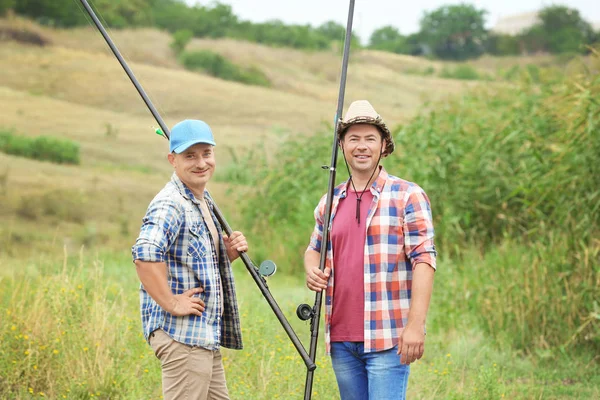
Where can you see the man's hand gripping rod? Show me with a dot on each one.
(267, 266)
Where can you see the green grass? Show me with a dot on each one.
(218, 66)
(71, 330)
(43, 148)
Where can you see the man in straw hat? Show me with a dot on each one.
(183, 259)
(380, 265)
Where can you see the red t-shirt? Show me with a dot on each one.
(348, 240)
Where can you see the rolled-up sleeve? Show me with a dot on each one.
(418, 229)
(317, 236)
(158, 232)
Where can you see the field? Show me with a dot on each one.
(69, 318)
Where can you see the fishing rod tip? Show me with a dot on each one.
(159, 132)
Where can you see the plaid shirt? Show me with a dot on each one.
(399, 236)
(174, 231)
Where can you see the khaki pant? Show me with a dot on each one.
(188, 372)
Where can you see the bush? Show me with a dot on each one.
(218, 66)
(43, 148)
(180, 39)
(463, 72)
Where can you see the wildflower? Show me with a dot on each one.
(26, 352)
(54, 351)
(13, 328)
(448, 355)
(146, 370)
(85, 349)
(31, 390)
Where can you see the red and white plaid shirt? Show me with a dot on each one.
(399, 236)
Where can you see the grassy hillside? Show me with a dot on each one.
(74, 88)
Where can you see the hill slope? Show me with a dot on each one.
(75, 88)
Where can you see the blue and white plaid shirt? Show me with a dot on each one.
(173, 231)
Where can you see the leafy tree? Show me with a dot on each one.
(389, 38)
(56, 12)
(565, 29)
(116, 13)
(333, 31)
(455, 32)
(503, 45)
(6, 5)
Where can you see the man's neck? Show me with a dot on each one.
(362, 181)
(198, 194)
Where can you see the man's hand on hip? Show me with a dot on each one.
(185, 304)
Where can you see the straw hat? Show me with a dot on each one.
(362, 112)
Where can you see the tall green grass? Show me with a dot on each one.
(513, 167)
(71, 329)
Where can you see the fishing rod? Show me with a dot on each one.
(304, 311)
(267, 268)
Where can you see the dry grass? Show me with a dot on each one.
(75, 88)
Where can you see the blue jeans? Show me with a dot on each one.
(374, 376)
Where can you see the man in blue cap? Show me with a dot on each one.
(183, 259)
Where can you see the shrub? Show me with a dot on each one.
(43, 148)
(463, 72)
(180, 39)
(218, 66)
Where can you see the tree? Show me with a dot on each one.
(335, 32)
(564, 29)
(6, 5)
(455, 32)
(389, 38)
(503, 45)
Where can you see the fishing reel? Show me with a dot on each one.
(267, 268)
(304, 312)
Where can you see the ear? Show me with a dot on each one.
(171, 158)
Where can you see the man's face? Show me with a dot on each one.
(362, 145)
(195, 166)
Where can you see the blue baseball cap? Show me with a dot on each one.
(188, 133)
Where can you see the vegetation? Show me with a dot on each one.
(453, 32)
(44, 148)
(514, 311)
(512, 168)
(71, 330)
(180, 39)
(216, 65)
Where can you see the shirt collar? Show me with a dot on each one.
(376, 187)
(183, 189)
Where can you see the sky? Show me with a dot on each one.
(370, 15)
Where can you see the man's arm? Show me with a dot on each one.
(412, 341)
(153, 276)
(419, 248)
